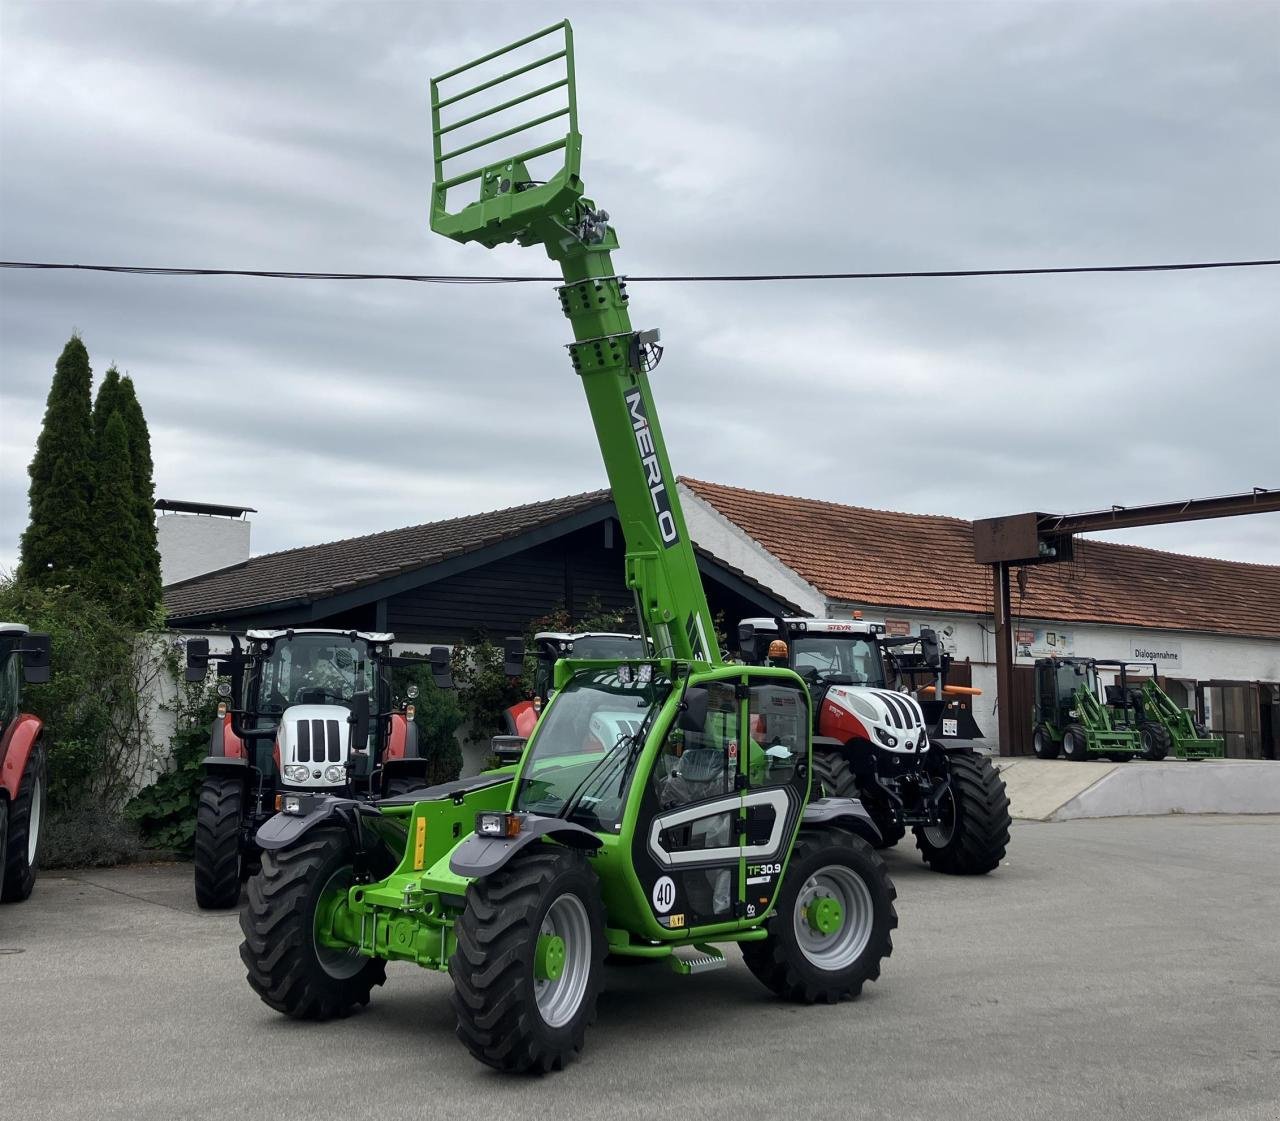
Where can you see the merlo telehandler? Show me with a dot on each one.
(690, 829)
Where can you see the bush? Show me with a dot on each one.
(165, 812)
(437, 716)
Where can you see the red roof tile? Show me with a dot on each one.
(891, 559)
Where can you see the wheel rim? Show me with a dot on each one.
(1038, 743)
(939, 836)
(833, 917)
(341, 963)
(562, 961)
(33, 821)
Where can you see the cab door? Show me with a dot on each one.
(775, 780)
(687, 843)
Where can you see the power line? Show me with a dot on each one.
(735, 278)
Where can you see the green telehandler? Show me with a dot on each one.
(661, 808)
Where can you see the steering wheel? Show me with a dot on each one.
(325, 694)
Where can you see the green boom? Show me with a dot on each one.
(611, 358)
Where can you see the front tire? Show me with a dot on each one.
(218, 858)
(24, 832)
(289, 964)
(833, 925)
(395, 787)
(834, 778)
(529, 963)
(1156, 740)
(974, 834)
(1075, 743)
(1043, 744)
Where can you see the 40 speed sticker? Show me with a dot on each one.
(664, 895)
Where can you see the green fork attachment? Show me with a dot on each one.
(511, 206)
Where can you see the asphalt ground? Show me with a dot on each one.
(1121, 968)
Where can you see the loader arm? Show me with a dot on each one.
(613, 360)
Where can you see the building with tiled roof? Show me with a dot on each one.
(1212, 626)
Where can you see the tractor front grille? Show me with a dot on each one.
(319, 741)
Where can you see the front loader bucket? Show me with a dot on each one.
(470, 110)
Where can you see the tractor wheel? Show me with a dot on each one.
(290, 901)
(833, 925)
(529, 963)
(1043, 744)
(974, 832)
(394, 787)
(218, 859)
(25, 829)
(834, 778)
(1075, 743)
(1156, 740)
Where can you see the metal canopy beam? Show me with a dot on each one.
(1033, 538)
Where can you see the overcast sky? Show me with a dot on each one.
(721, 138)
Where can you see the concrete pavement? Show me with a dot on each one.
(1118, 968)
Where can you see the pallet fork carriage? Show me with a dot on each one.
(661, 807)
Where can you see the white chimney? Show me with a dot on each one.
(199, 537)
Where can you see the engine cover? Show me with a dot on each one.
(887, 720)
(317, 738)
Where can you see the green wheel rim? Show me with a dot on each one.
(563, 948)
(848, 898)
(340, 962)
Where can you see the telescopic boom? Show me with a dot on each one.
(612, 358)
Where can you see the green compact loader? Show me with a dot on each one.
(1070, 716)
(1137, 701)
(661, 808)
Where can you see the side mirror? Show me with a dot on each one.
(513, 656)
(441, 673)
(36, 657)
(197, 659)
(693, 710)
(359, 721)
(747, 642)
(930, 648)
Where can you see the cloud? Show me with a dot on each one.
(722, 139)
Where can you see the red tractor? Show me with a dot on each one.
(305, 712)
(549, 647)
(24, 762)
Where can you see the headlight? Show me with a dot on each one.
(336, 773)
(293, 804)
(885, 738)
(862, 707)
(497, 824)
(295, 772)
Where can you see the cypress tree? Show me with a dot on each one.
(113, 575)
(105, 401)
(144, 490)
(58, 545)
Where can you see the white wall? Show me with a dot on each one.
(193, 544)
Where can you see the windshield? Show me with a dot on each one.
(608, 646)
(583, 754)
(323, 669)
(847, 660)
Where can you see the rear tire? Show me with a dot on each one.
(288, 965)
(974, 840)
(1043, 744)
(25, 829)
(1156, 740)
(1075, 743)
(508, 1018)
(218, 859)
(394, 787)
(800, 961)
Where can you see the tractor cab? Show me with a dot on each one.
(1058, 683)
(548, 648)
(302, 711)
(24, 778)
